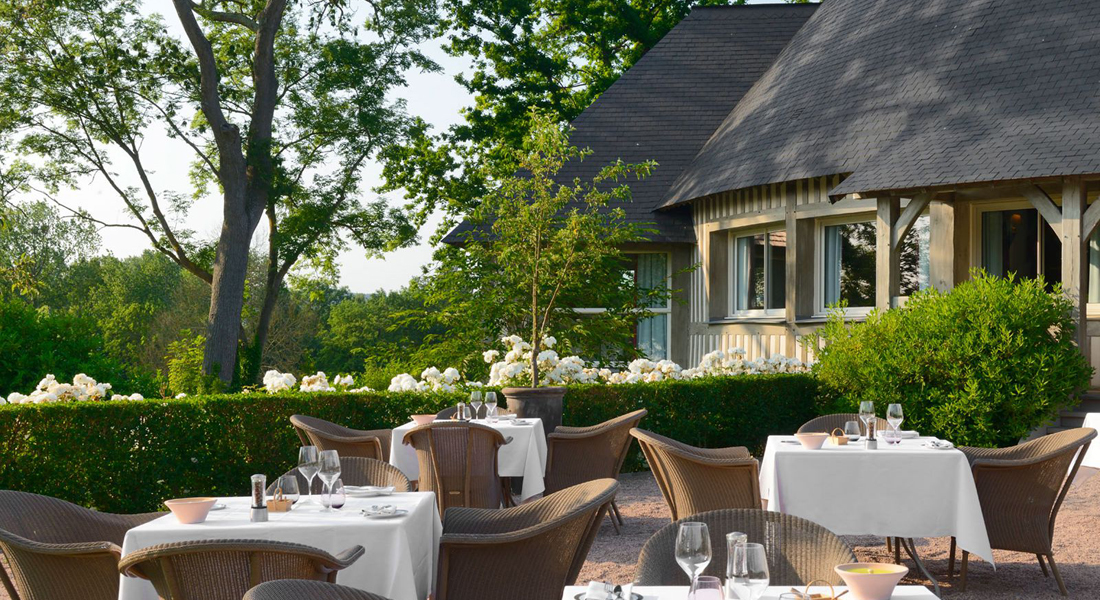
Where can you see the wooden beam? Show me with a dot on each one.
(908, 217)
(1090, 219)
(941, 245)
(1046, 207)
(1074, 254)
(887, 275)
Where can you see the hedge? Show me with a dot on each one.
(129, 456)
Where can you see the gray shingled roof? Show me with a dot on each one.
(668, 104)
(906, 95)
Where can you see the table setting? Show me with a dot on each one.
(399, 530)
(524, 456)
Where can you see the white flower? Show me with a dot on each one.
(316, 383)
(549, 341)
(490, 355)
(344, 380)
(180, 396)
(451, 375)
(361, 390)
(403, 383)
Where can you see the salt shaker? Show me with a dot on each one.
(259, 491)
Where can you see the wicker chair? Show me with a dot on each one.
(827, 423)
(579, 454)
(695, 480)
(529, 551)
(298, 589)
(1021, 489)
(446, 413)
(799, 551)
(458, 461)
(56, 549)
(355, 470)
(372, 443)
(226, 569)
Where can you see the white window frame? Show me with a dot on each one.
(732, 311)
(819, 263)
(656, 310)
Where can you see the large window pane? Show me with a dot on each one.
(777, 269)
(750, 272)
(653, 274)
(914, 265)
(653, 336)
(1009, 242)
(850, 264)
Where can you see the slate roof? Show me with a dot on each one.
(669, 103)
(912, 94)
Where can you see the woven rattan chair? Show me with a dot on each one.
(827, 423)
(458, 461)
(695, 480)
(297, 589)
(799, 551)
(446, 413)
(355, 470)
(579, 454)
(56, 549)
(226, 569)
(1021, 489)
(372, 443)
(529, 551)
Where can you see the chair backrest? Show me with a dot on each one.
(827, 423)
(458, 461)
(579, 454)
(446, 413)
(227, 569)
(529, 551)
(1022, 488)
(46, 571)
(355, 470)
(55, 521)
(347, 442)
(298, 589)
(798, 551)
(695, 480)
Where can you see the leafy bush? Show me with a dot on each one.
(129, 456)
(982, 365)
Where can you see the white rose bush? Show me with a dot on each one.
(82, 389)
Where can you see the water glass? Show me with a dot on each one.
(732, 540)
(330, 471)
(750, 572)
(705, 587)
(289, 484)
(337, 497)
(693, 548)
(475, 401)
(308, 465)
(851, 429)
(491, 414)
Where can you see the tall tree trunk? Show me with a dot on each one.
(223, 324)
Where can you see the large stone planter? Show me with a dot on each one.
(537, 403)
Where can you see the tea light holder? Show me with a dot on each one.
(259, 507)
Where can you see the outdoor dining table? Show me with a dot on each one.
(401, 552)
(524, 456)
(672, 592)
(905, 491)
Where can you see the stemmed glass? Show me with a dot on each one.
(895, 416)
(491, 406)
(693, 548)
(308, 465)
(867, 415)
(750, 576)
(330, 472)
(475, 401)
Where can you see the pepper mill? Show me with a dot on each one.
(259, 491)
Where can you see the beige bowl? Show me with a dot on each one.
(876, 581)
(811, 441)
(190, 510)
(423, 419)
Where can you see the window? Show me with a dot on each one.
(848, 264)
(1019, 241)
(651, 271)
(759, 273)
(914, 265)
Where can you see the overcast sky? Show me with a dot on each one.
(435, 97)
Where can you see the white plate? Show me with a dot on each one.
(218, 506)
(393, 515)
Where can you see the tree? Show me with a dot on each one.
(37, 245)
(280, 106)
(553, 247)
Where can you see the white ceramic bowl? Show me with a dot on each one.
(871, 581)
(190, 510)
(423, 419)
(811, 441)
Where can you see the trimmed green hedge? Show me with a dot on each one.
(129, 456)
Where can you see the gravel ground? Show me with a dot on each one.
(1076, 548)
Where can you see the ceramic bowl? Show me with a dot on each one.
(423, 419)
(190, 510)
(871, 581)
(811, 441)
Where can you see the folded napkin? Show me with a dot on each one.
(507, 417)
(385, 509)
(905, 435)
(938, 444)
(598, 590)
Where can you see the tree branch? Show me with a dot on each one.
(226, 17)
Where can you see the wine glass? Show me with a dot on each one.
(308, 465)
(867, 415)
(330, 471)
(693, 548)
(337, 497)
(289, 484)
(475, 401)
(851, 429)
(750, 571)
(706, 587)
(895, 416)
(491, 406)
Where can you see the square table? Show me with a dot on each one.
(524, 456)
(399, 562)
(651, 592)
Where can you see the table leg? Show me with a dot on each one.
(911, 549)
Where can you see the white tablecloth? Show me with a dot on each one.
(895, 491)
(902, 592)
(1092, 458)
(524, 456)
(399, 561)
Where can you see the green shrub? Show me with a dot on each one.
(983, 365)
(130, 456)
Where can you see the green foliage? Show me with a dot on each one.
(37, 246)
(185, 374)
(130, 456)
(982, 365)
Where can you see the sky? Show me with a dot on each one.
(436, 97)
